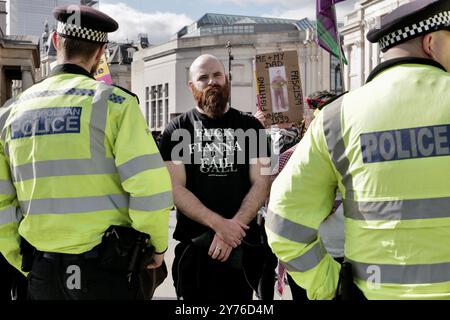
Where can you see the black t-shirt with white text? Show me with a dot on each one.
(216, 154)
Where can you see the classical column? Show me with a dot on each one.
(27, 78)
(359, 45)
(2, 87)
(348, 67)
(316, 71)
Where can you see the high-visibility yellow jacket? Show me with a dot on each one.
(76, 156)
(386, 147)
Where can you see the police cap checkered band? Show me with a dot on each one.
(74, 31)
(409, 32)
(410, 21)
(83, 22)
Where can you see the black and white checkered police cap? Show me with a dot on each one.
(410, 21)
(84, 23)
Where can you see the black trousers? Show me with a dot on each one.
(79, 279)
(298, 293)
(13, 284)
(197, 277)
(266, 285)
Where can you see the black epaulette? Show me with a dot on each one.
(127, 91)
(332, 99)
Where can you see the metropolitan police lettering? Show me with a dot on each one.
(46, 121)
(422, 142)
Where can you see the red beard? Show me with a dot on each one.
(213, 99)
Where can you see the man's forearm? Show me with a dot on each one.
(193, 208)
(254, 200)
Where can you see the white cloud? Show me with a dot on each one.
(295, 9)
(159, 26)
(284, 3)
(307, 11)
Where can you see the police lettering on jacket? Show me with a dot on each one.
(422, 142)
(46, 121)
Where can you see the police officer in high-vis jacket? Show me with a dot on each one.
(386, 147)
(76, 158)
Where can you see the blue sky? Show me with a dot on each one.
(161, 19)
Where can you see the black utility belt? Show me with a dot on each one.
(94, 253)
(122, 249)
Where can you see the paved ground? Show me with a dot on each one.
(167, 291)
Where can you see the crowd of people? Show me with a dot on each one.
(330, 205)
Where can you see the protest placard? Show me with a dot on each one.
(103, 73)
(279, 87)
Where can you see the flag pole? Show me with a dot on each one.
(328, 33)
(230, 77)
(341, 58)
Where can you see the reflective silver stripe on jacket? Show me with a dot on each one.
(152, 203)
(140, 164)
(288, 229)
(398, 209)
(7, 188)
(8, 215)
(6, 111)
(98, 203)
(332, 117)
(308, 260)
(402, 274)
(57, 168)
(97, 164)
(75, 205)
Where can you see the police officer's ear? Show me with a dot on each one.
(427, 44)
(55, 39)
(100, 52)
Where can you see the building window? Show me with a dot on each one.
(216, 30)
(249, 29)
(166, 112)
(160, 113)
(227, 29)
(159, 91)
(159, 97)
(153, 124)
(147, 105)
(335, 75)
(130, 52)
